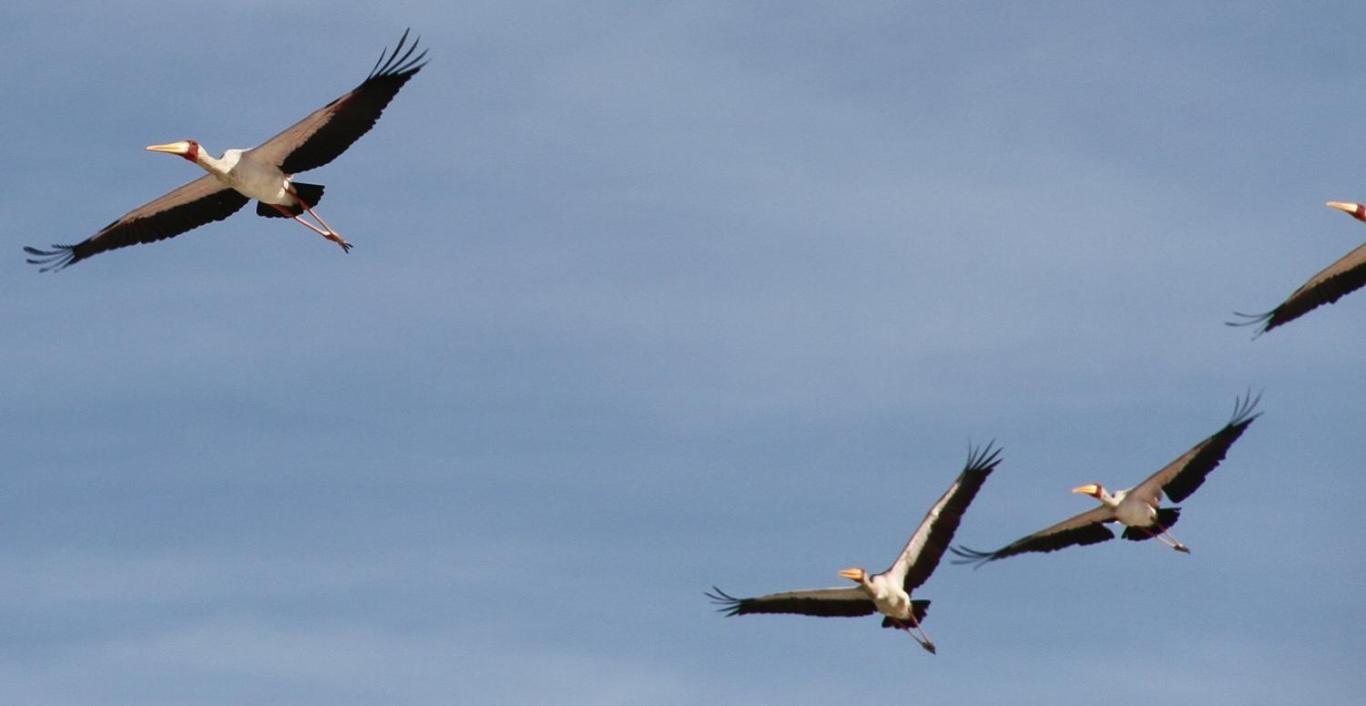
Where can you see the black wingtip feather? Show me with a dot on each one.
(385, 52)
(1254, 319)
(1250, 319)
(730, 605)
(970, 556)
(392, 64)
(1243, 409)
(48, 260)
(985, 458)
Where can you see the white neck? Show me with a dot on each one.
(866, 583)
(211, 164)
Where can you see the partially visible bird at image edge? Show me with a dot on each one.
(1332, 283)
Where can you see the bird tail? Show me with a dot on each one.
(310, 193)
(918, 609)
(1166, 517)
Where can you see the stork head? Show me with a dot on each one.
(189, 149)
(855, 575)
(1355, 210)
(1095, 490)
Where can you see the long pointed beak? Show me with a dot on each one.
(1355, 210)
(169, 148)
(852, 574)
(1086, 489)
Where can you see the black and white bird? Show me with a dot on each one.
(1334, 282)
(1137, 508)
(889, 592)
(265, 172)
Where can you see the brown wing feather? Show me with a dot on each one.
(201, 201)
(1186, 474)
(818, 602)
(1337, 280)
(1078, 530)
(922, 553)
(330, 130)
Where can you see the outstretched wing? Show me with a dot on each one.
(329, 130)
(821, 602)
(201, 201)
(1183, 476)
(922, 552)
(1337, 280)
(1086, 528)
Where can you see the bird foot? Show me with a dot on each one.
(336, 238)
(929, 646)
(1181, 548)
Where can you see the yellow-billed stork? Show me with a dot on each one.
(889, 592)
(265, 172)
(1137, 508)
(1334, 282)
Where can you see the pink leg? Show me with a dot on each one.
(1170, 540)
(331, 235)
(924, 637)
(313, 213)
(328, 233)
(1165, 536)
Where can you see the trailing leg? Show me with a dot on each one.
(923, 638)
(1162, 534)
(325, 232)
(1171, 541)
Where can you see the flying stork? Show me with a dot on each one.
(889, 592)
(265, 172)
(1136, 508)
(1334, 282)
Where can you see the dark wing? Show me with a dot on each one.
(1086, 528)
(329, 130)
(821, 602)
(1334, 282)
(921, 554)
(1183, 476)
(201, 201)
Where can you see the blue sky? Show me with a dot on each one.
(648, 297)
